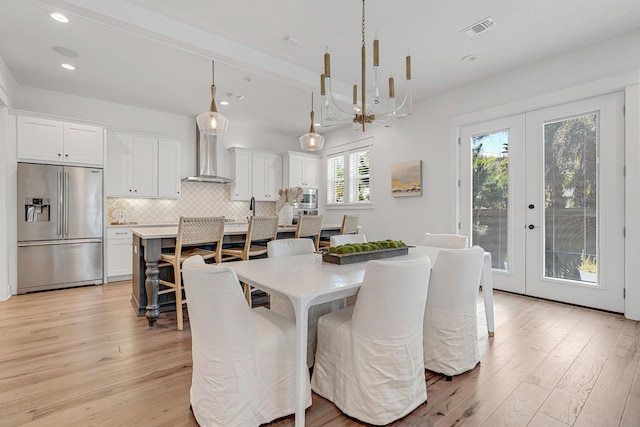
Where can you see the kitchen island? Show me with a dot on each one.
(148, 244)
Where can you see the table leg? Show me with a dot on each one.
(487, 292)
(152, 282)
(302, 321)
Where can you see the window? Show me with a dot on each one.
(348, 177)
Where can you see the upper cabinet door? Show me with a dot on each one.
(259, 171)
(310, 175)
(240, 188)
(169, 168)
(296, 168)
(40, 139)
(54, 141)
(119, 165)
(83, 144)
(145, 167)
(301, 170)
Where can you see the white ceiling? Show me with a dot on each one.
(157, 54)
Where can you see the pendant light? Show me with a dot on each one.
(212, 122)
(311, 141)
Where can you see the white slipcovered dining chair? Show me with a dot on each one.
(289, 247)
(369, 360)
(450, 319)
(243, 359)
(343, 239)
(447, 241)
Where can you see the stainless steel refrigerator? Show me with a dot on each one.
(59, 226)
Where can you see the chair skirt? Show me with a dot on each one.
(258, 386)
(351, 376)
(283, 307)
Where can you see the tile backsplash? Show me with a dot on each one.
(196, 199)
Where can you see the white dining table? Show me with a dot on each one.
(307, 281)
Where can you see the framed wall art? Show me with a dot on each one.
(406, 179)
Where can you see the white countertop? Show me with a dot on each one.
(166, 224)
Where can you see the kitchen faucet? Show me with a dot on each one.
(252, 205)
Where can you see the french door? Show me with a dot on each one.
(544, 193)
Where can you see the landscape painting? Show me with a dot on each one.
(406, 179)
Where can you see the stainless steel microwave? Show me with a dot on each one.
(309, 199)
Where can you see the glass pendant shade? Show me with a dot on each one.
(212, 123)
(311, 141)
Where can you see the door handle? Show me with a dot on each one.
(59, 195)
(66, 203)
(531, 226)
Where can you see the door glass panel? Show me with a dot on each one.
(570, 191)
(490, 195)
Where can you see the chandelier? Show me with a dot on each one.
(378, 109)
(212, 122)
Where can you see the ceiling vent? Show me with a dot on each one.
(479, 27)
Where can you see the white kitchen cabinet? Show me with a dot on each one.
(255, 173)
(267, 176)
(241, 172)
(132, 166)
(55, 141)
(301, 170)
(169, 168)
(119, 256)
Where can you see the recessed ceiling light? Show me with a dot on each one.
(237, 96)
(68, 67)
(469, 58)
(65, 51)
(59, 17)
(224, 102)
(291, 41)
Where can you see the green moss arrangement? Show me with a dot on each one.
(366, 247)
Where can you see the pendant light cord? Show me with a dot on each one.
(362, 23)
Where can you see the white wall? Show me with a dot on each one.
(8, 85)
(8, 88)
(4, 226)
(429, 134)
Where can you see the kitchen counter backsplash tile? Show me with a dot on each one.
(196, 199)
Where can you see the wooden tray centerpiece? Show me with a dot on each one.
(360, 252)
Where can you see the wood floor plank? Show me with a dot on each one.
(519, 408)
(567, 399)
(631, 415)
(551, 369)
(82, 357)
(606, 402)
(542, 420)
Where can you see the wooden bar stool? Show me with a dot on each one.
(261, 228)
(309, 226)
(349, 226)
(191, 231)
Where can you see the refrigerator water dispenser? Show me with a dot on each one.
(37, 210)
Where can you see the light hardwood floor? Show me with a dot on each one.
(81, 357)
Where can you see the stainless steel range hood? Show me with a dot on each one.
(207, 161)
